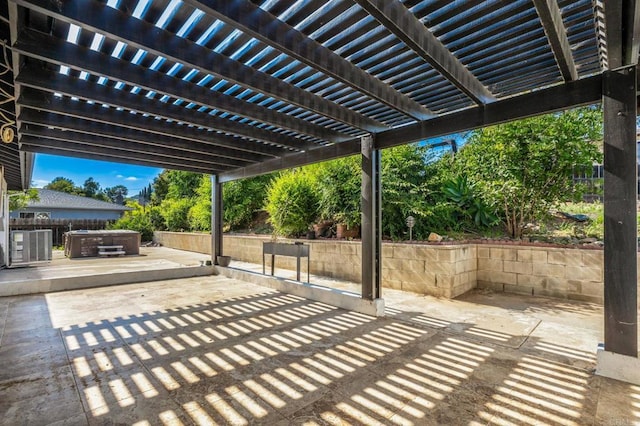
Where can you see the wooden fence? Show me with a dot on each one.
(58, 226)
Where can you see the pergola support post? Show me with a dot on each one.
(216, 219)
(619, 359)
(371, 227)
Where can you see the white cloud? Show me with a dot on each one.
(131, 178)
(39, 183)
(119, 176)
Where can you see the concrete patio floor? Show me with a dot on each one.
(214, 350)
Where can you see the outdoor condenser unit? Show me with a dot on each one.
(30, 247)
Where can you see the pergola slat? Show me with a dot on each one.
(100, 18)
(581, 92)
(404, 25)
(263, 26)
(59, 52)
(68, 149)
(138, 137)
(228, 146)
(80, 140)
(57, 83)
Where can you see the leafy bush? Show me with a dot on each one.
(199, 217)
(242, 199)
(135, 220)
(292, 202)
(406, 191)
(339, 183)
(200, 211)
(176, 214)
(156, 218)
(470, 207)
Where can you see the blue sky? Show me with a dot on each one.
(48, 167)
(107, 174)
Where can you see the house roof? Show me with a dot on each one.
(242, 87)
(50, 199)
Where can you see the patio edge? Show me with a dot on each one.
(339, 298)
(35, 286)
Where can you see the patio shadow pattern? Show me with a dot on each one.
(250, 356)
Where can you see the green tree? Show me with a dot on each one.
(144, 196)
(116, 194)
(176, 214)
(63, 184)
(523, 168)
(180, 201)
(183, 184)
(160, 188)
(91, 188)
(20, 199)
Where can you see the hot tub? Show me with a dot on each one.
(86, 243)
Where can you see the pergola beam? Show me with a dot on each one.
(16, 24)
(197, 140)
(80, 140)
(581, 92)
(551, 18)
(632, 34)
(60, 52)
(55, 82)
(260, 24)
(134, 138)
(621, 32)
(300, 159)
(98, 17)
(71, 149)
(395, 16)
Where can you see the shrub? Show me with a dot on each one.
(176, 214)
(156, 218)
(292, 202)
(200, 216)
(200, 211)
(242, 199)
(471, 208)
(338, 183)
(135, 220)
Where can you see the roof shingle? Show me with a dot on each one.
(62, 200)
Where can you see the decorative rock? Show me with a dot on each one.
(433, 237)
(588, 240)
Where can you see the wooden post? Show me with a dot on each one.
(620, 212)
(371, 227)
(216, 219)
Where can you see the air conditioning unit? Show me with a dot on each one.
(30, 247)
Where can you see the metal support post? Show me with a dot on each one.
(371, 226)
(620, 212)
(216, 219)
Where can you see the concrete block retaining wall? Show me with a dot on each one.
(438, 270)
(545, 271)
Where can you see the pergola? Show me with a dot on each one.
(237, 88)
